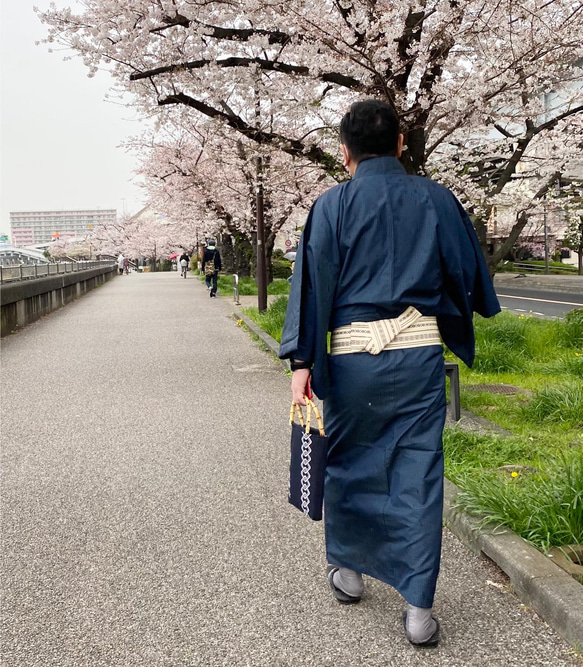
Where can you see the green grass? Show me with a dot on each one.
(543, 504)
(544, 357)
(271, 321)
(248, 286)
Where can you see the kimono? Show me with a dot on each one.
(372, 247)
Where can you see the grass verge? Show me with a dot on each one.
(531, 482)
(247, 285)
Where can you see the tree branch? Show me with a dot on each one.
(531, 132)
(520, 224)
(290, 146)
(229, 34)
(268, 65)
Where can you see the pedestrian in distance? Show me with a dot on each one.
(389, 263)
(126, 266)
(211, 265)
(184, 261)
(120, 261)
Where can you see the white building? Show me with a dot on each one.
(35, 227)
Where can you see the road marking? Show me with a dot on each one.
(520, 310)
(531, 298)
(536, 313)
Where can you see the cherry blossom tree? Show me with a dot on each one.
(146, 234)
(209, 176)
(470, 79)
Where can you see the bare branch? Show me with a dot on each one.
(268, 65)
(293, 147)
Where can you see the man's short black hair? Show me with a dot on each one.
(369, 129)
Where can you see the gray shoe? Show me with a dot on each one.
(432, 642)
(338, 593)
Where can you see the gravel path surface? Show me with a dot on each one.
(145, 522)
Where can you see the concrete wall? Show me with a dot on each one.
(25, 301)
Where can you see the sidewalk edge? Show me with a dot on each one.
(545, 587)
(269, 341)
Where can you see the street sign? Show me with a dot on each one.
(288, 243)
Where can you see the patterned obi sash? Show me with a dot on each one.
(410, 329)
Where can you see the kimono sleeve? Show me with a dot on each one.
(312, 295)
(468, 287)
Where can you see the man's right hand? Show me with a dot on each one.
(299, 385)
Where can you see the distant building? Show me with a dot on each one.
(35, 227)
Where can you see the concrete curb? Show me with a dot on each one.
(549, 590)
(269, 341)
(538, 582)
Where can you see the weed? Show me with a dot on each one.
(544, 508)
(557, 403)
(271, 321)
(570, 330)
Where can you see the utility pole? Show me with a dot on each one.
(546, 240)
(261, 267)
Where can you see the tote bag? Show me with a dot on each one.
(309, 454)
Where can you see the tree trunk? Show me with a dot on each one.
(413, 158)
(269, 244)
(507, 245)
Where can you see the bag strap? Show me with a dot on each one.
(311, 407)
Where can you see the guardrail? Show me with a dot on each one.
(32, 271)
(523, 266)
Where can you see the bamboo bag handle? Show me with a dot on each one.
(312, 407)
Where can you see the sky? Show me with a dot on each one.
(60, 137)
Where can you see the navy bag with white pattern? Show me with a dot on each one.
(309, 454)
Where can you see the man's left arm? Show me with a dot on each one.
(466, 275)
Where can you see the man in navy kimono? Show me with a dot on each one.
(390, 264)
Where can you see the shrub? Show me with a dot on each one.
(281, 268)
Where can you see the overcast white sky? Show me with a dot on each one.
(59, 135)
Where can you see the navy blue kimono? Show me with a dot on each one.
(371, 247)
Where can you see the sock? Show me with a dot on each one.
(348, 581)
(420, 625)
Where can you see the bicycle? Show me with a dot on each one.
(183, 268)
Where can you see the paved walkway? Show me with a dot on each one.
(145, 520)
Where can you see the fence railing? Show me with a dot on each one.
(540, 268)
(31, 271)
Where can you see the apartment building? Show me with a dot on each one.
(34, 227)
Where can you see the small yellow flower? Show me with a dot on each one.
(514, 474)
(239, 323)
(577, 354)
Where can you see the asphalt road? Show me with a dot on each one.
(144, 517)
(538, 302)
(543, 296)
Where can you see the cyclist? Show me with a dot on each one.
(184, 263)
